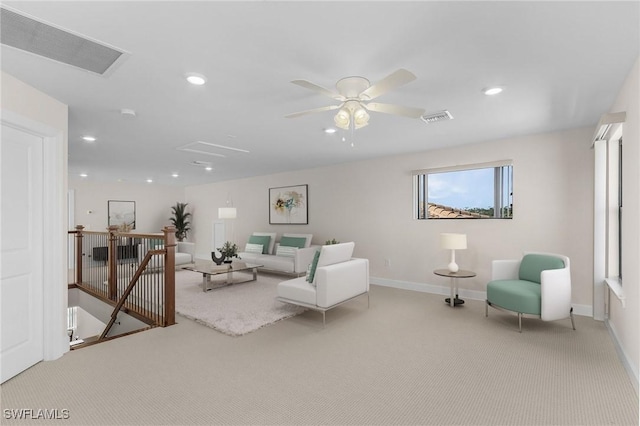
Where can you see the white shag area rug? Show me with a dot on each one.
(233, 310)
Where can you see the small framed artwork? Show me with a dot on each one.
(122, 214)
(288, 205)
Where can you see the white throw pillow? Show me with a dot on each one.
(253, 248)
(286, 251)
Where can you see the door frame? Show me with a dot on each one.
(54, 237)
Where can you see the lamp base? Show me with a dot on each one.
(453, 267)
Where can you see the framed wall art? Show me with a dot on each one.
(288, 205)
(122, 214)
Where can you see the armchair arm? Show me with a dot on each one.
(505, 269)
(189, 248)
(555, 294)
(341, 281)
(304, 257)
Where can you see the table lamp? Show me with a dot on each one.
(453, 242)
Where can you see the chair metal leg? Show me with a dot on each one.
(368, 302)
(519, 322)
(573, 324)
(486, 308)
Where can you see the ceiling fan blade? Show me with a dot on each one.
(394, 109)
(390, 82)
(311, 86)
(311, 111)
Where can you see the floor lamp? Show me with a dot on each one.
(227, 213)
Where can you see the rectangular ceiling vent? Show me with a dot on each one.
(38, 38)
(438, 116)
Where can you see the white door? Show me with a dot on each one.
(21, 251)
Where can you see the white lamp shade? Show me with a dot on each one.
(453, 241)
(226, 213)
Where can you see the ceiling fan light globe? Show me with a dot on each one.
(342, 119)
(361, 118)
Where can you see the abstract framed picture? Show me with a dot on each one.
(288, 205)
(122, 214)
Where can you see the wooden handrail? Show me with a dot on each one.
(165, 292)
(127, 292)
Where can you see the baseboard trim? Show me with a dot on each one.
(628, 366)
(582, 310)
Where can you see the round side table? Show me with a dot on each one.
(454, 301)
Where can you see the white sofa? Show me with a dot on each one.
(185, 254)
(338, 278)
(295, 262)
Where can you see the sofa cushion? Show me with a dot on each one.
(254, 248)
(272, 240)
(312, 267)
(515, 295)
(286, 251)
(532, 266)
(298, 242)
(263, 240)
(307, 238)
(278, 263)
(297, 289)
(182, 258)
(335, 253)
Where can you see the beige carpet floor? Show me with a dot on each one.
(407, 360)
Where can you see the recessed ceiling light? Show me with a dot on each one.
(88, 138)
(149, 180)
(208, 168)
(83, 175)
(492, 90)
(175, 175)
(330, 130)
(196, 79)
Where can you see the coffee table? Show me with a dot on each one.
(208, 269)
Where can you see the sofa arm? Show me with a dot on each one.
(303, 258)
(341, 281)
(189, 248)
(505, 269)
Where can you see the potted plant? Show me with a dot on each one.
(228, 250)
(180, 220)
(330, 242)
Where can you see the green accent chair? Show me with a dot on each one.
(538, 285)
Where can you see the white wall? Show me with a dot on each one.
(153, 203)
(624, 322)
(33, 106)
(370, 202)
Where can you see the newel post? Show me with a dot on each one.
(112, 262)
(79, 253)
(169, 275)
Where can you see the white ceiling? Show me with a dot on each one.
(561, 64)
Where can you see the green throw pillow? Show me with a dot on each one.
(314, 265)
(261, 239)
(293, 242)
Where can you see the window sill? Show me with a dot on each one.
(615, 285)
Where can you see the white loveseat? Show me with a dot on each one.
(338, 278)
(273, 257)
(185, 254)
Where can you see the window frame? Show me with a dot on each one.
(503, 170)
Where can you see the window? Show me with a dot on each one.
(480, 191)
(620, 210)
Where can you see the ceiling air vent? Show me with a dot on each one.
(24, 33)
(438, 116)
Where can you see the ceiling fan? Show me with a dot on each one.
(355, 95)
